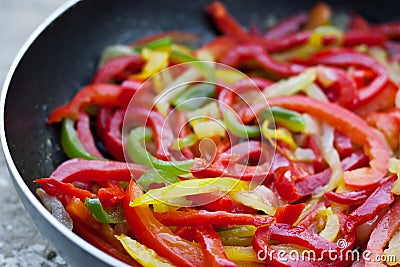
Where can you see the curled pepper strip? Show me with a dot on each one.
(150, 232)
(347, 123)
(85, 135)
(54, 187)
(345, 58)
(99, 94)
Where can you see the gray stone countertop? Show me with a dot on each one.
(20, 242)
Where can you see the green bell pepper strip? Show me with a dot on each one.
(288, 118)
(194, 97)
(102, 215)
(138, 153)
(70, 141)
(237, 128)
(155, 176)
(184, 142)
(156, 44)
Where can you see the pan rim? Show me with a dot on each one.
(15, 175)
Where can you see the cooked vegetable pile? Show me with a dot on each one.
(276, 147)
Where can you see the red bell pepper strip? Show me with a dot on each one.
(226, 23)
(388, 123)
(284, 182)
(383, 101)
(312, 143)
(102, 120)
(286, 42)
(382, 233)
(357, 23)
(99, 94)
(379, 199)
(112, 138)
(217, 48)
(85, 135)
(289, 213)
(286, 26)
(162, 133)
(212, 247)
(129, 89)
(186, 232)
(96, 170)
(298, 236)
(345, 58)
(343, 86)
(183, 130)
(348, 198)
(391, 30)
(54, 187)
(216, 218)
(224, 203)
(355, 38)
(151, 233)
(243, 52)
(226, 97)
(343, 145)
(111, 195)
(117, 65)
(347, 123)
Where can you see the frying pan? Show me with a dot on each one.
(60, 57)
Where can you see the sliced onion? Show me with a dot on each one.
(55, 207)
(262, 198)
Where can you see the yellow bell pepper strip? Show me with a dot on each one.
(139, 154)
(71, 143)
(151, 233)
(349, 124)
(241, 254)
(155, 62)
(142, 254)
(212, 246)
(191, 187)
(156, 178)
(194, 217)
(114, 215)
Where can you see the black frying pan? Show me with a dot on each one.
(62, 57)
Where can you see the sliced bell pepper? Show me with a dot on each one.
(99, 94)
(194, 97)
(112, 137)
(163, 42)
(191, 187)
(286, 26)
(382, 233)
(142, 254)
(151, 233)
(345, 58)
(343, 145)
(85, 135)
(54, 187)
(111, 195)
(225, 23)
(96, 170)
(70, 142)
(139, 154)
(155, 177)
(243, 52)
(379, 199)
(349, 198)
(288, 118)
(237, 128)
(117, 65)
(212, 246)
(216, 218)
(289, 213)
(349, 124)
(101, 215)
